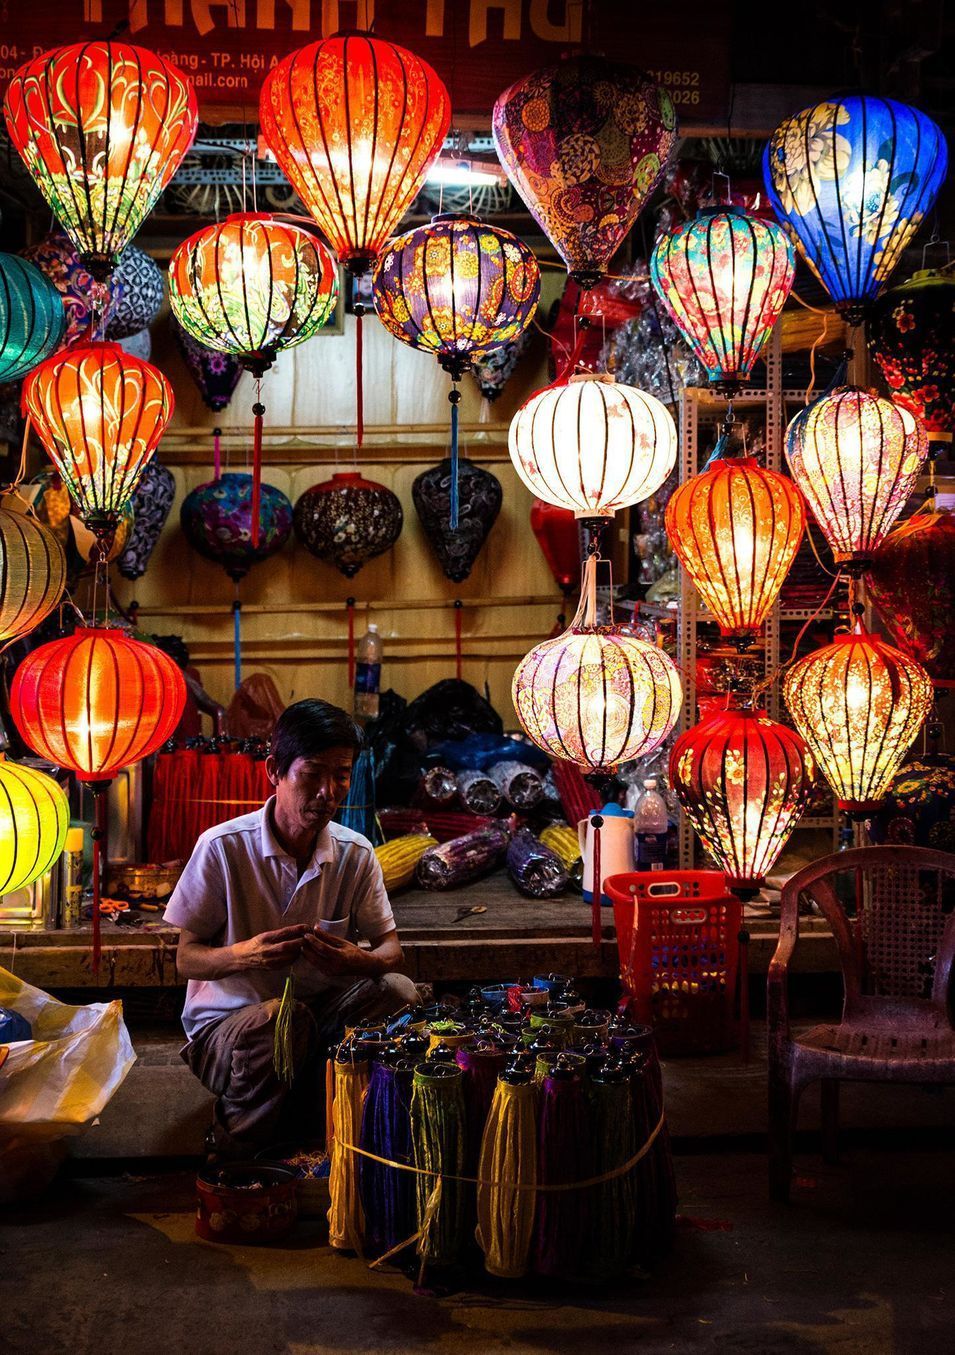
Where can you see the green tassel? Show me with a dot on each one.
(282, 1058)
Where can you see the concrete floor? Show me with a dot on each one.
(862, 1261)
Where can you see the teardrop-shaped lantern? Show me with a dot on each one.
(32, 319)
(856, 458)
(216, 374)
(595, 695)
(724, 279)
(558, 536)
(348, 520)
(457, 547)
(216, 519)
(911, 334)
(100, 414)
(736, 529)
(851, 178)
(858, 703)
(743, 781)
(34, 817)
(151, 503)
(32, 570)
(911, 580)
(102, 127)
(585, 142)
(593, 445)
(355, 122)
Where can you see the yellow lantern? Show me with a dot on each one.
(32, 570)
(34, 817)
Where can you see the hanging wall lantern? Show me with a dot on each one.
(743, 781)
(32, 319)
(724, 279)
(911, 580)
(558, 535)
(34, 817)
(593, 445)
(32, 570)
(858, 703)
(457, 547)
(856, 458)
(102, 127)
(151, 504)
(911, 334)
(585, 142)
(736, 529)
(355, 123)
(348, 520)
(851, 179)
(100, 414)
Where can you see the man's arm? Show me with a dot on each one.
(197, 959)
(333, 955)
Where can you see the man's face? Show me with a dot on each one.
(313, 787)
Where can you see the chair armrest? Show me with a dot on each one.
(777, 997)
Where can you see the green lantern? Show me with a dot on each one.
(32, 319)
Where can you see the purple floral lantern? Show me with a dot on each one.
(215, 374)
(216, 519)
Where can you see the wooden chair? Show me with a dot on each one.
(897, 957)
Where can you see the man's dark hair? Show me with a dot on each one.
(310, 727)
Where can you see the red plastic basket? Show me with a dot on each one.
(679, 963)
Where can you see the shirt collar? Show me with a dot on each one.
(324, 847)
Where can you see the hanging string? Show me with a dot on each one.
(258, 410)
(359, 377)
(768, 681)
(819, 339)
(454, 396)
(217, 453)
(458, 618)
(350, 606)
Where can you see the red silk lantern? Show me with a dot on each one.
(912, 582)
(911, 335)
(355, 123)
(558, 536)
(743, 781)
(736, 529)
(102, 127)
(100, 413)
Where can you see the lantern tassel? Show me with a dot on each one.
(458, 617)
(359, 377)
(596, 885)
(258, 409)
(237, 638)
(455, 398)
(350, 605)
(99, 860)
(217, 453)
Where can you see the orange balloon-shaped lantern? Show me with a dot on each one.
(102, 127)
(743, 781)
(100, 413)
(355, 123)
(736, 529)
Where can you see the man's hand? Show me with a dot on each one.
(270, 950)
(336, 957)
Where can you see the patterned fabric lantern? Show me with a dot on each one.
(858, 703)
(216, 518)
(596, 696)
(129, 301)
(585, 142)
(151, 504)
(851, 179)
(558, 536)
(32, 570)
(102, 127)
(724, 279)
(100, 414)
(911, 334)
(736, 529)
(136, 294)
(593, 445)
(34, 817)
(32, 320)
(856, 458)
(215, 374)
(743, 781)
(480, 502)
(493, 371)
(355, 122)
(348, 520)
(457, 289)
(911, 580)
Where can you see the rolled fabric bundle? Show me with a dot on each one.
(447, 824)
(608, 1248)
(399, 858)
(397, 822)
(387, 1194)
(520, 785)
(535, 869)
(346, 1224)
(478, 793)
(466, 858)
(508, 1161)
(438, 1145)
(564, 842)
(563, 1156)
(438, 786)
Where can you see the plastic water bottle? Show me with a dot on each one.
(368, 673)
(650, 826)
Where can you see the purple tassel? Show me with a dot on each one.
(563, 1155)
(387, 1194)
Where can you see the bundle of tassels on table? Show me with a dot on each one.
(524, 1132)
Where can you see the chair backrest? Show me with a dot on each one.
(901, 943)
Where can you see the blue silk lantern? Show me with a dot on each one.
(851, 179)
(32, 320)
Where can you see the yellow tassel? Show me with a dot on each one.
(508, 1161)
(346, 1222)
(283, 1058)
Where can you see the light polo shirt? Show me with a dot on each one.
(239, 882)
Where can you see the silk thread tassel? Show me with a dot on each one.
(596, 885)
(237, 638)
(438, 1142)
(350, 605)
(258, 410)
(217, 453)
(359, 377)
(455, 398)
(508, 1161)
(283, 1057)
(387, 1194)
(346, 1224)
(458, 618)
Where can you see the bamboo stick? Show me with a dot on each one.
(396, 605)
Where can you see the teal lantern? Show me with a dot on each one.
(32, 319)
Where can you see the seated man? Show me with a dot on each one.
(283, 891)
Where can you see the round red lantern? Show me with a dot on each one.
(355, 122)
(736, 529)
(912, 582)
(558, 535)
(743, 781)
(912, 337)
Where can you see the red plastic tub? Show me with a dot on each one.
(678, 939)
